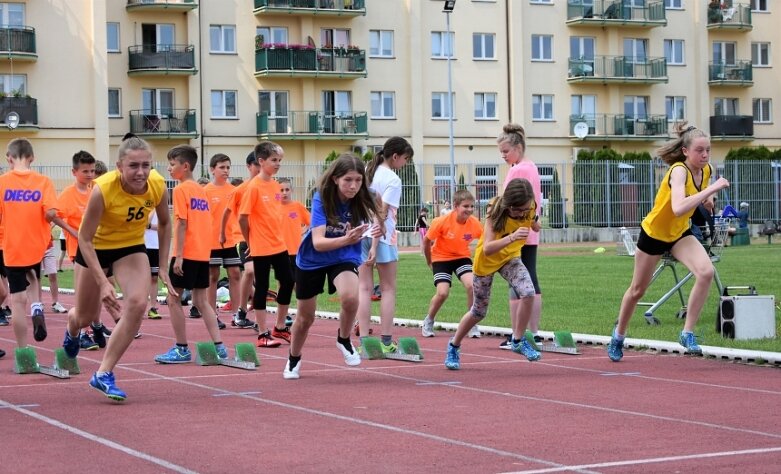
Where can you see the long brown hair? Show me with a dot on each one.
(518, 192)
(362, 206)
(672, 152)
(394, 145)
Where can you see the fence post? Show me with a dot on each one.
(564, 197)
(607, 193)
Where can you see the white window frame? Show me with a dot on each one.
(223, 31)
(670, 54)
(756, 53)
(482, 100)
(440, 44)
(8, 81)
(273, 113)
(116, 26)
(442, 182)
(675, 108)
(539, 43)
(726, 105)
(673, 4)
(118, 92)
(542, 108)
(5, 13)
(756, 6)
(486, 180)
(541, 2)
(222, 96)
(440, 99)
(764, 107)
(722, 50)
(157, 97)
(276, 34)
(482, 38)
(583, 106)
(380, 98)
(377, 44)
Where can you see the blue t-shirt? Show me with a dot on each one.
(310, 259)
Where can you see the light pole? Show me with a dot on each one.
(449, 5)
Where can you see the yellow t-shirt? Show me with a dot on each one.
(485, 265)
(661, 223)
(126, 215)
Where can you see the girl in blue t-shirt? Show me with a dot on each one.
(341, 208)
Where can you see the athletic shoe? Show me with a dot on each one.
(39, 325)
(222, 351)
(137, 336)
(389, 348)
(283, 334)
(98, 336)
(153, 313)
(453, 356)
(227, 307)
(2, 353)
(689, 341)
(427, 328)
(106, 331)
(526, 350)
(3, 318)
(105, 383)
(350, 358)
(265, 340)
(291, 374)
(86, 343)
(240, 320)
(507, 343)
(474, 333)
(256, 328)
(194, 313)
(615, 350)
(288, 321)
(58, 308)
(175, 355)
(220, 324)
(357, 330)
(71, 345)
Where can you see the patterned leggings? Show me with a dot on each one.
(516, 275)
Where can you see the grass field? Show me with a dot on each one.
(582, 291)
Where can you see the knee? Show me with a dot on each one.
(349, 302)
(705, 274)
(442, 293)
(636, 292)
(135, 304)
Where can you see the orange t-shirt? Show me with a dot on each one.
(192, 205)
(27, 196)
(234, 203)
(261, 203)
(451, 238)
(219, 199)
(71, 204)
(294, 218)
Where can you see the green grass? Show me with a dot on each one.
(582, 291)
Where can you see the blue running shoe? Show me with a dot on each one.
(98, 335)
(105, 383)
(615, 350)
(39, 325)
(71, 345)
(222, 351)
(453, 357)
(689, 341)
(175, 355)
(526, 350)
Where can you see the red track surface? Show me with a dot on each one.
(649, 413)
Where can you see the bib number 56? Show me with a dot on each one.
(133, 214)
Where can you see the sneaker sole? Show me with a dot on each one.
(290, 375)
(173, 362)
(116, 398)
(272, 344)
(39, 328)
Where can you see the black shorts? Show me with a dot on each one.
(62, 244)
(225, 257)
(195, 275)
(17, 277)
(2, 265)
(652, 246)
(309, 283)
(107, 257)
(153, 255)
(443, 270)
(293, 266)
(242, 248)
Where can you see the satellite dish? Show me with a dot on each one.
(581, 130)
(12, 120)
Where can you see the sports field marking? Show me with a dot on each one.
(31, 405)
(231, 395)
(97, 439)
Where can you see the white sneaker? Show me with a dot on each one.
(351, 359)
(474, 332)
(427, 329)
(291, 374)
(59, 308)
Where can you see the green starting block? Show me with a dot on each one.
(563, 343)
(246, 358)
(408, 349)
(26, 362)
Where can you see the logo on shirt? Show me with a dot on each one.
(148, 203)
(468, 237)
(21, 195)
(199, 204)
(293, 215)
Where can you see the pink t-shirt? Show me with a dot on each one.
(528, 170)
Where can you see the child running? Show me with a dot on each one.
(446, 248)
(666, 229)
(341, 209)
(510, 218)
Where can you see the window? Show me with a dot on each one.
(13, 84)
(759, 6)
(330, 37)
(158, 36)
(112, 37)
(542, 48)
(724, 53)
(675, 108)
(442, 44)
(442, 182)
(485, 183)
(762, 111)
(483, 46)
(274, 105)
(158, 102)
(272, 34)
(673, 52)
(636, 106)
(760, 54)
(636, 50)
(583, 106)
(12, 14)
(224, 104)
(383, 105)
(222, 39)
(726, 106)
(440, 108)
(485, 105)
(381, 43)
(338, 109)
(542, 107)
(673, 4)
(114, 103)
(541, 1)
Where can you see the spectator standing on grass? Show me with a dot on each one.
(666, 229)
(295, 222)
(445, 209)
(421, 226)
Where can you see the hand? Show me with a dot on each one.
(370, 258)
(178, 262)
(167, 282)
(520, 233)
(355, 235)
(721, 183)
(708, 205)
(109, 299)
(222, 240)
(536, 226)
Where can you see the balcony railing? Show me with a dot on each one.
(617, 69)
(616, 13)
(171, 5)
(311, 7)
(739, 74)
(26, 107)
(736, 17)
(732, 127)
(17, 42)
(166, 59)
(620, 126)
(302, 62)
(171, 123)
(315, 125)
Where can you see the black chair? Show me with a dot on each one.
(768, 229)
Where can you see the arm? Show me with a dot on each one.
(321, 243)
(681, 204)
(181, 228)
(493, 245)
(223, 223)
(427, 250)
(164, 237)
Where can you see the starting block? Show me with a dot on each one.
(408, 349)
(246, 358)
(26, 362)
(563, 343)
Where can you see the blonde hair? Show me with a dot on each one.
(672, 152)
(513, 134)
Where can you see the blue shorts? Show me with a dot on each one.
(385, 253)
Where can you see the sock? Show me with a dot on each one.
(294, 360)
(387, 340)
(345, 341)
(34, 306)
(451, 343)
(182, 346)
(101, 374)
(97, 326)
(217, 343)
(516, 341)
(619, 337)
(428, 318)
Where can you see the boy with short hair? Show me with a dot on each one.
(190, 260)
(295, 223)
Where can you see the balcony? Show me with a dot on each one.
(161, 60)
(311, 7)
(289, 61)
(172, 124)
(731, 127)
(620, 13)
(621, 127)
(736, 17)
(740, 74)
(313, 125)
(617, 70)
(161, 5)
(26, 107)
(18, 43)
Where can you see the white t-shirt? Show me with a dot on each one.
(387, 185)
(150, 235)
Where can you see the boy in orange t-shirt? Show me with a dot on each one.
(446, 248)
(295, 223)
(190, 260)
